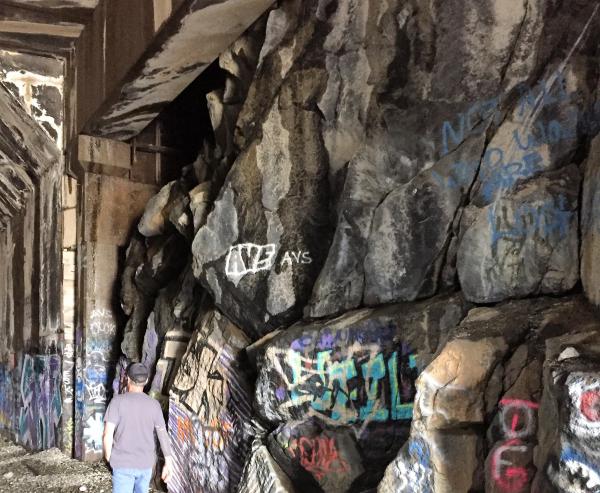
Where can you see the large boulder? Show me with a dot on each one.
(319, 457)
(155, 220)
(259, 258)
(489, 407)
(525, 243)
(262, 474)
(590, 224)
(347, 386)
(210, 409)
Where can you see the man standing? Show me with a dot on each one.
(129, 425)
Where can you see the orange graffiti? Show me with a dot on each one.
(185, 430)
(215, 435)
(319, 456)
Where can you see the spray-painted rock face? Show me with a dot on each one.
(209, 406)
(579, 462)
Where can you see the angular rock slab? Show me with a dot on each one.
(354, 370)
(210, 410)
(590, 225)
(262, 245)
(328, 457)
(567, 455)
(434, 462)
(452, 388)
(523, 244)
(262, 474)
(156, 215)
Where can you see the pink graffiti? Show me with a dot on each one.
(319, 456)
(590, 405)
(517, 417)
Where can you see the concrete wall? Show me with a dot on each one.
(110, 206)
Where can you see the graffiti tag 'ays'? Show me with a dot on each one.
(248, 258)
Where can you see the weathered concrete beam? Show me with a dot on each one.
(104, 156)
(63, 30)
(193, 36)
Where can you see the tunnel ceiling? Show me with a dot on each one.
(46, 27)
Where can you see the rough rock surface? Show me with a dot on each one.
(525, 243)
(262, 474)
(590, 225)
(307, 301)
(209, 409)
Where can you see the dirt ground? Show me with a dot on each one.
(49, 471)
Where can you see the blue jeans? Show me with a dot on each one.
(131, 480)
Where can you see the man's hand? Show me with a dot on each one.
(167, 471)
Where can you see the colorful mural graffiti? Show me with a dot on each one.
(92, 386)
(578, 468)
(31, 401)
(346, 376)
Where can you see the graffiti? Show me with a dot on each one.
(119, 385)
(40, 403)
(68, 372)
(248, 258)
(319, 456)
(95, 381)
(7, 400)
(210, 401)
(545, 220)
(96, 393)
(92, 433)
(412, 469)
(578, 468)
(214, 436)
(501, 175)
(589, 405)
(517, 421)
(366, 385)
(203, 394)
(198, 463)
(547, 92)
(467, 122)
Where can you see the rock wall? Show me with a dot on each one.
(384, 264)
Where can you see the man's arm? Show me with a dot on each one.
(165, 444)
(107, 439)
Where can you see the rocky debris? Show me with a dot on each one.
(49, 471)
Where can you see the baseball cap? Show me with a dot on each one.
(137, 372)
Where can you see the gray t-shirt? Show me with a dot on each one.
(136, 417)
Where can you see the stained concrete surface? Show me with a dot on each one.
(49, 471)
